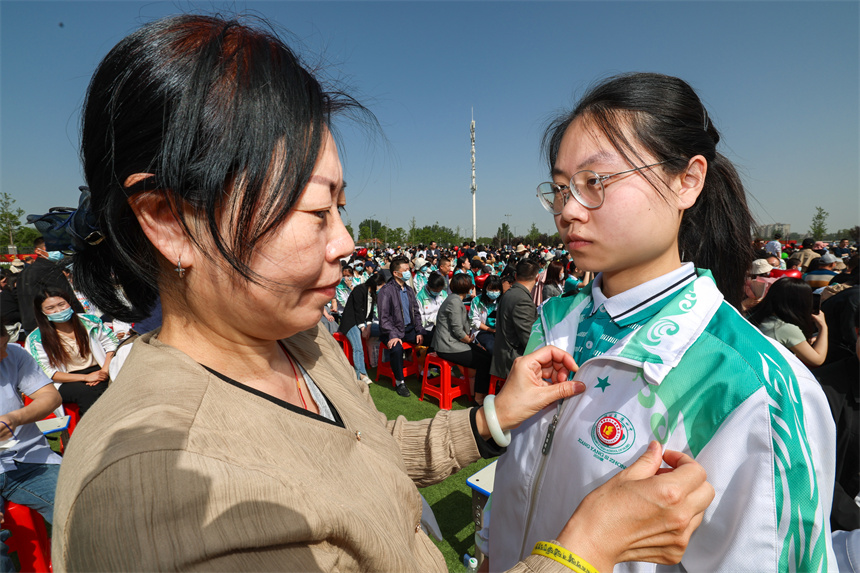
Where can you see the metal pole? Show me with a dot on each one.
(474, 187)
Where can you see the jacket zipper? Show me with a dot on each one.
(547, 444)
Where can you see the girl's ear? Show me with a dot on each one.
(691, 181)
(160, 223)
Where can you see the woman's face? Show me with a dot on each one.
(301, 259)
(54, 304)
(467, 264)
(633, 236)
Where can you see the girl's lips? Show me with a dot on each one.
(577, 242)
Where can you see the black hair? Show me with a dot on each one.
(555, 272)
(397, 263)
(790, 300)
(493, 282)
(668, 120)
(527, 269)
(461, 283)
(461, 261)
(435, 281)
(228, 122)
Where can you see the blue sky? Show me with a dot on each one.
(781, 81)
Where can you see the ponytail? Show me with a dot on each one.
(715, 231)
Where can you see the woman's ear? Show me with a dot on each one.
(160, 223)
(692, 181)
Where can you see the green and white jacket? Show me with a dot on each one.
(700, 379)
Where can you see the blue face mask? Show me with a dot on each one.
(406, 276)
(61, 316)
(55, 256)
(434, 294)
(494, 294)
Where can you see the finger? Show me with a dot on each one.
(550, 355)
(647, 464)
(677, 459)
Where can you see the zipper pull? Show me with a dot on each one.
(550, 432)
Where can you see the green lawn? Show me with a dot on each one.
(451, 500)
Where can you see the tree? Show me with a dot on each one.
(503, 235)
(349, 230)
(818, 228)
(10, 217)
(369, 229)
(412, 228)
(534, 234)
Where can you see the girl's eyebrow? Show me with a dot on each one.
(600, 156)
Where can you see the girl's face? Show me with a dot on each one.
(54, 304)
(633, 236)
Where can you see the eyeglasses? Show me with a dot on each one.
(585, 186)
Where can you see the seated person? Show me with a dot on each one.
(29, 467)
(430, 298)
(452, 339)
(74, 350)
(357, 321)
(482, 313)
(399, 318)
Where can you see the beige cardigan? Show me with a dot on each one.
(174, 468)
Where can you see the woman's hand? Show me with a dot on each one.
(536, 380)
(643, 513)
(365, 333)
(94, 378)
(820, 322)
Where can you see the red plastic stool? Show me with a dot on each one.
(410, 366)
(493, 381)
(344, 342)
(29, 537)
(440, 386)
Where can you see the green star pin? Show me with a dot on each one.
(602, 383)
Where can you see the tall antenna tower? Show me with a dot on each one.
(474, 187)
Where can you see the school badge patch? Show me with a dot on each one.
(613, 433)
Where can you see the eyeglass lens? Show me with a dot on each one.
(587, 189)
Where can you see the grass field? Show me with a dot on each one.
(451, 500)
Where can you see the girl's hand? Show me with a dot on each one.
(820, 321)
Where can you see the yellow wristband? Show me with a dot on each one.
(563, 556)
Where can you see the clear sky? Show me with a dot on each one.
(781, 81)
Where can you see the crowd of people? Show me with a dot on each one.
(191, 333)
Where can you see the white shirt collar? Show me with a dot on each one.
(622, 304)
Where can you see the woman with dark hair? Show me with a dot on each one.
(236, 436)
(464, 266)
(452, 338)
(554, 280)
(785, 314)
(356, 322)
(482, 313)
(640, 194)
(430, 298)
(74, 350)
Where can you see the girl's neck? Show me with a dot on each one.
(617, 282)
(65, 327)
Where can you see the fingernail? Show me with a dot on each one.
(653, 446)
(578, 387)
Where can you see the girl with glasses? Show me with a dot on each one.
(641, 195)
